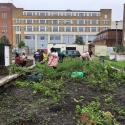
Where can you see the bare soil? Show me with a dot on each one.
(23, 106)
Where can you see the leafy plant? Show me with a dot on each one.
(92, 115)
(21, 44)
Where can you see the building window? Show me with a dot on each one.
(94, 22)
(93, 29)
(68, 14)
(24, 13)
(81, 14)
(42, 13)
(74, 29)
(35, 28)
(38, 13)
(81, 29)
(55, 29)
(61, 29)
(73, 14)
(29, 21)
(55, 13)
(42, 28)
(106, 22)
(81, 22)
(67, 22)
(17, 28)
(55, 22)
(29, 13)
(87, 29)
(87, 21)
(68, 39)
(28, 37)
(55, 38)
(106, 16)
(17, 21)
(42, 37)
(95, 14)
(42, 21)
(4, 15)
(29, 28)
(68, 29)
(36, 21)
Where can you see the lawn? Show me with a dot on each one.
(47, 96)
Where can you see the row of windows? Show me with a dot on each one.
(66, 38)
(59, 13)
(59, 29)
(66, 22)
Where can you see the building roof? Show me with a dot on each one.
(7, 4)
(65, 10)
(108, 30)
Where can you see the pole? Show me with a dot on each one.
(116, 33)
(116, 42)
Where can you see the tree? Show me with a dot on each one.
(21, 44)
(4, 40)
(79, 40)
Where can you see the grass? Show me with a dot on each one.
(118, 64)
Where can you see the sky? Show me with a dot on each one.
(115, 5)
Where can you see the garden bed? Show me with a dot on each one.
(57, 99)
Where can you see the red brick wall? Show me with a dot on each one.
(6, 21)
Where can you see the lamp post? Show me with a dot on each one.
(116, 33)
(116, 42)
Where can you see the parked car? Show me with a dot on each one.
(71, 53)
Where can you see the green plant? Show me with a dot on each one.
(50, 88)
(79, 40)
(119, 49)
(21, 44)
(4, 40)
(92, 115)
(108, 98)
(20, 70)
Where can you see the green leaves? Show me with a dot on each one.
(91, 114)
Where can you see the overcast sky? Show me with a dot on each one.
(115, 5)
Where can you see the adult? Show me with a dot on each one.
(85, 56)
(18, 60)
(23, 59)
(90, 53)
(44, 57)
(53, 58)
(37, 55)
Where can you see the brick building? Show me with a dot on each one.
(6, 20)
(39, 28)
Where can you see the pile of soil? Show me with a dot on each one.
(23, 106)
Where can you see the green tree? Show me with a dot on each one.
(21, 44)
(4, 40)
(79, 40)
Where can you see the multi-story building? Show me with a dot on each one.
(40, 28)
(117, 24)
